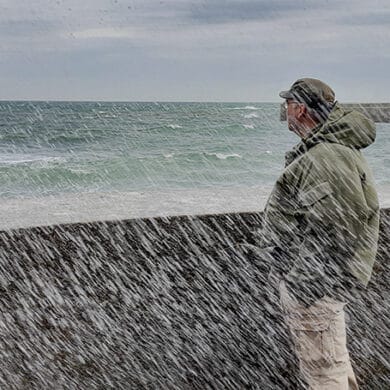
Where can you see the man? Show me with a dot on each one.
(320, 229)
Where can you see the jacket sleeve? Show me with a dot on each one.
(278, 240)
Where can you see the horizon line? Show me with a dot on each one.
(132, 101)
(164, 101)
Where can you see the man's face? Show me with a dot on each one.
(294, 116)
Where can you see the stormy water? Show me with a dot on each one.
(161, 303)
(49, 148)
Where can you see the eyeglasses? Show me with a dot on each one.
(288, 102)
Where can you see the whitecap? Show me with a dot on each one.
(169, 155)
(15, 159)
(223, 156)
(79, 171)
(175, 126)
(251, 115)
(249, 126)
(246, 108)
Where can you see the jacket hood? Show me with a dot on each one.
(344, 127)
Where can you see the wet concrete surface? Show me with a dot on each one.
(161, 303)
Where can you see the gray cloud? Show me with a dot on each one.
(371, 18)
(26, 28)
(187, 49)
(235, 10)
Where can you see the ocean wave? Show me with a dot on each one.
(246, 108)
(20, 159)
(224, 156)
(251, 115)
(79, 171)
(106, 114)
(69, 139)
(15, 137)
(175, 126)
(194, 157)
(249, 126)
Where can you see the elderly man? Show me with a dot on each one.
(320, 229)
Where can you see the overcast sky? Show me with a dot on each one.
(183, 50)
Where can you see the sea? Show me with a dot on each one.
(151, 153)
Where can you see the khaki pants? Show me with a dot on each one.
(319, 336)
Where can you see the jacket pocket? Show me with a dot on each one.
(315, 194)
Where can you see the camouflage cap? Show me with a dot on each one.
(312, 92)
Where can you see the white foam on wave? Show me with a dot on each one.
(99, 206)
(384, 195)
(251, 115)
(168, 155)
(172, 126)
(246, 108)
(224, 156)
(15, 159)
(249, 126)
(79, 171)
(106, 114)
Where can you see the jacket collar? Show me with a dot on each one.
(314, 138)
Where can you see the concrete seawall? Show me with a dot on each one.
(378, 112)
(163, 303)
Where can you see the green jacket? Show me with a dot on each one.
(321, 220)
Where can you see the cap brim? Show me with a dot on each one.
(286, 95)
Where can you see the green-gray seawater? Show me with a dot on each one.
(47, 148)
